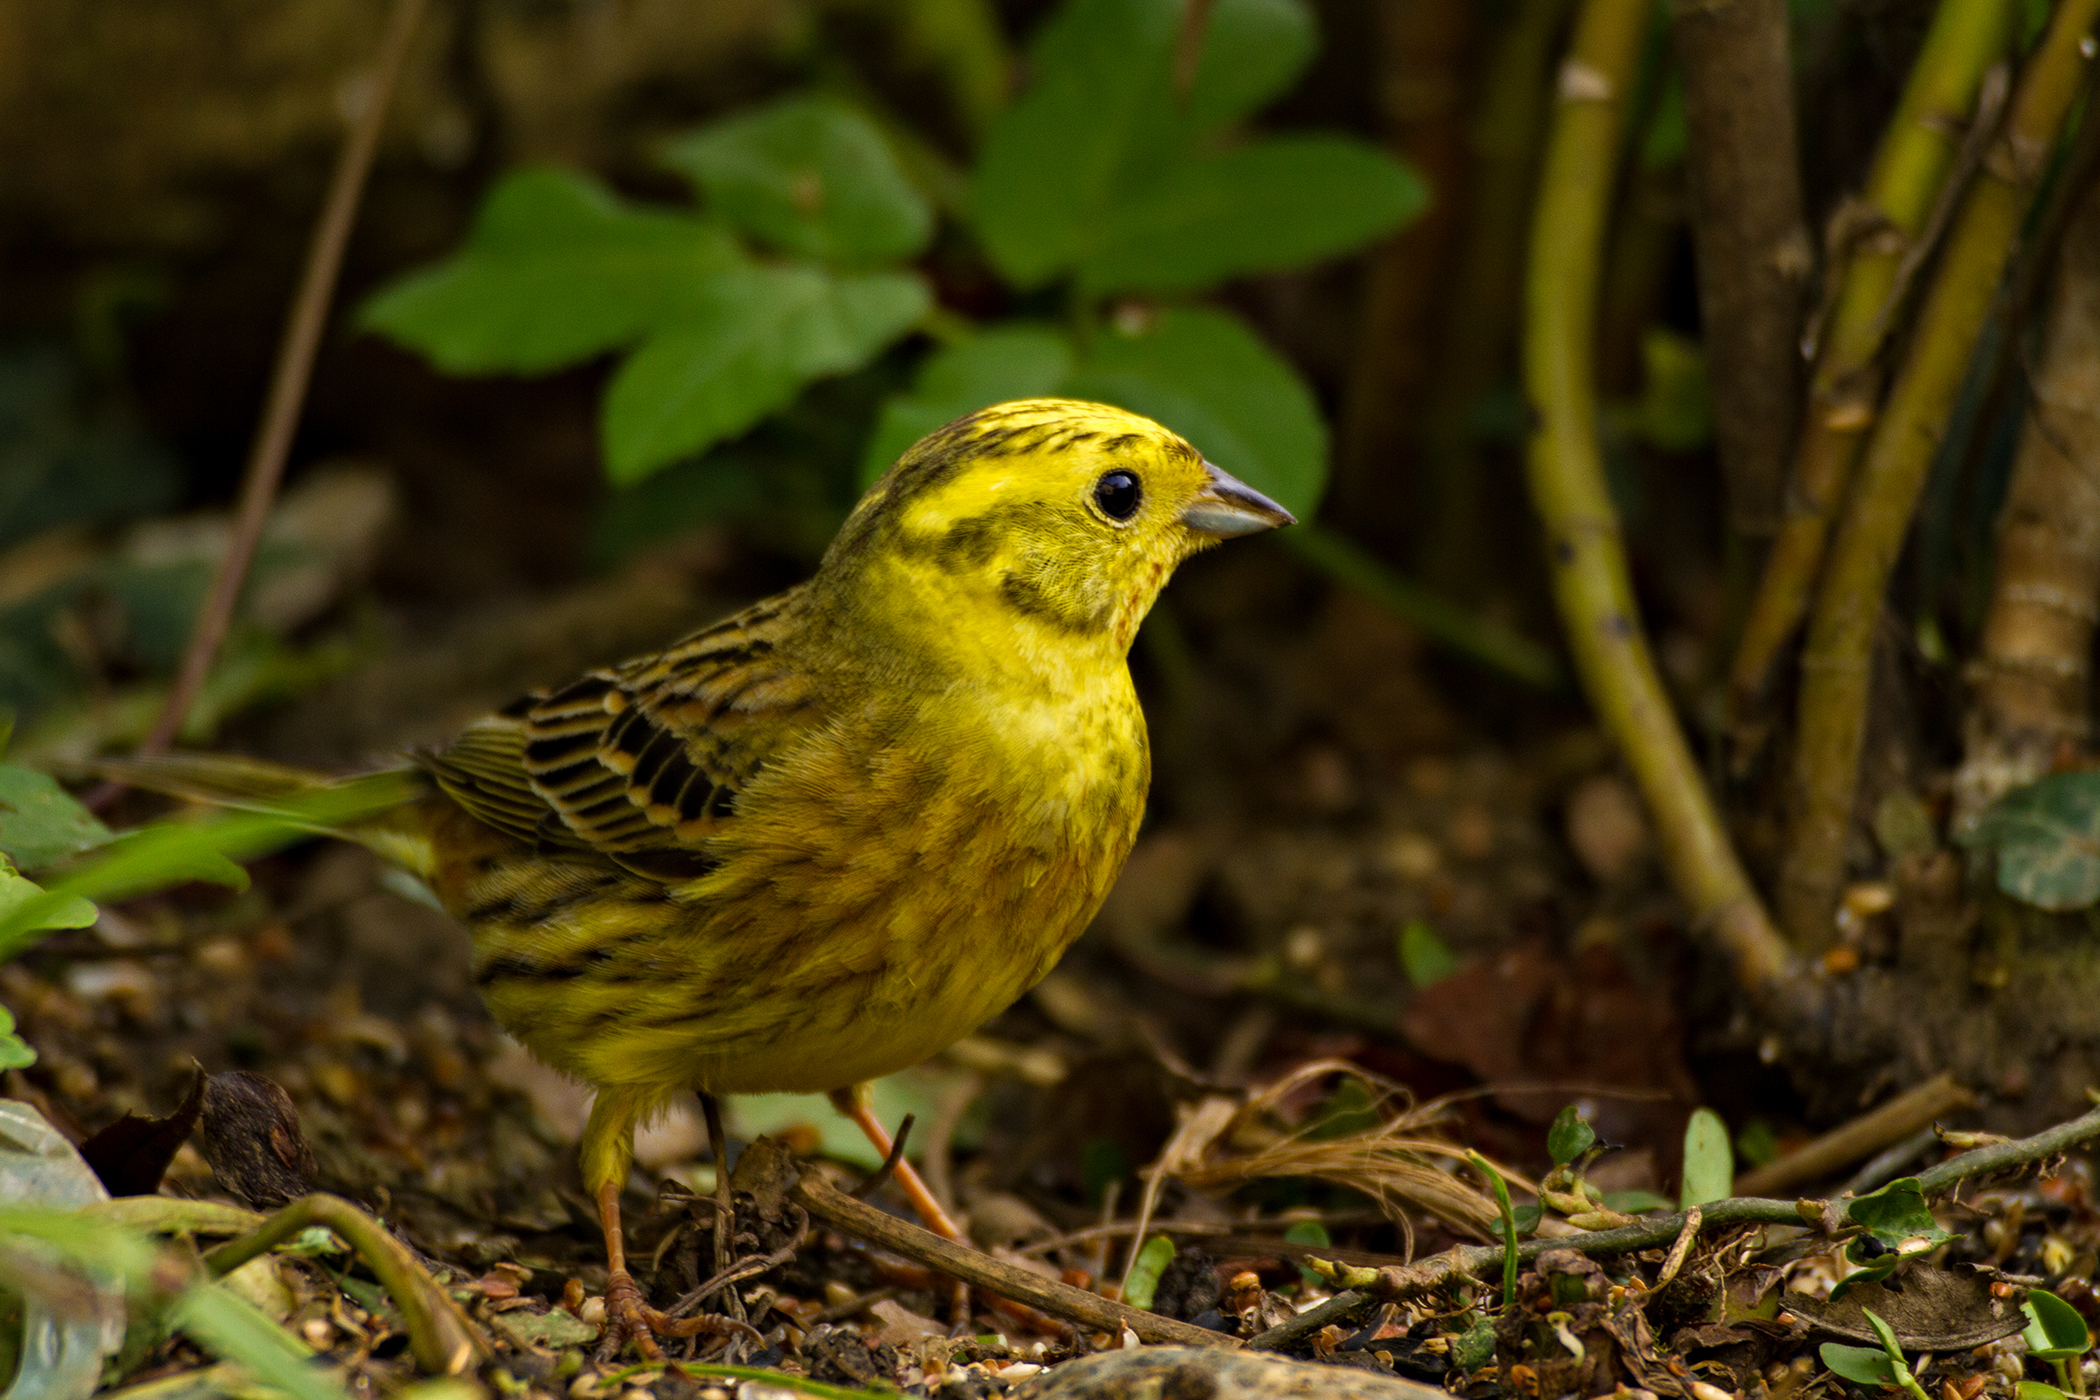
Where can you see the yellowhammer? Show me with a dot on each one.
(824, 839)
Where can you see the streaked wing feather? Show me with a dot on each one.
(644, 761)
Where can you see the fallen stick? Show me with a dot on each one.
(1469, 1263)
(1859, 1139)
(865, 1222)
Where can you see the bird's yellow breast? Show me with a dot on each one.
(904, 874)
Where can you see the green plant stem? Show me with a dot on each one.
(1509, 1225)
(1916, 153)
(1591, 580)
(1468, 634)
(443, 1341)
(1836, 660)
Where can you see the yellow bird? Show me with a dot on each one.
(824, 839)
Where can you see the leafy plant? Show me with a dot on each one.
(1897, 1222)
(1884, 1366)
(2057, 1334)
(2046, 837)
(1103, 180)
(1142, 1282)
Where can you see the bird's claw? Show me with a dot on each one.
(629, 1319)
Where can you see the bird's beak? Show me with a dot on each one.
(1227, 506)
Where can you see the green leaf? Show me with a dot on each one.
(809, 175)
(1570, 1136)
(1859, 1365)
(1204, 374)
(40, 823)
(1709, 1164)
(173, 852)
(1017, 361)
(556, 269)
(1313, 1234)
(38, 909)
(1102, 119)
(1423, 956)
(2036, 1390)
(1896, 1213)
(235, 1330)
(2055, 1330)
(1142, 1283)
(15, 1052)
(2047, 840)
(1268, 206)
(758, 336)
(1475, 1347)
(1527, 1218)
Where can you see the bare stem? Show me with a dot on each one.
(1872, 237)
(1591, 580)
(443, 1340)
(289, 380)
(1751, 240)
(1836, 659)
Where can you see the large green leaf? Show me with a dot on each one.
(810, 175)
(1103, 119)
(1016, 361)
(556, 270)
(1896, 1213)
(2047, 839)
(1204, 374)
(756, 338)
(40, 823)
(1270, 205)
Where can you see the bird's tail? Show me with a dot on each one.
(372, 809)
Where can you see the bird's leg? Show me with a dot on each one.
(725, 1198)
(626, 1315)
(853, 1102)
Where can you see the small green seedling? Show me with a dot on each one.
(1883, 1366)
(1141, 1284)
(1310, 1232)
(1509, 1225)
(2057, 1334)
(1570, 1136)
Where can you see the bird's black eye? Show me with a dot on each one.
(1118, 494)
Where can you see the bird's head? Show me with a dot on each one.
(1068, 515)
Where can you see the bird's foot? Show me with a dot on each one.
(627, 1318)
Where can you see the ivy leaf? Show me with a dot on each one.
(40, 823)
(556, 269)
(809, 175)
(759, 335)
(1268, 206)
(2047, 839)
(1009, 362)
(1709, 1162)
(1896, 1213)
(1204, 374)
(1570, 1136)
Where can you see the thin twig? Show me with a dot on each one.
(833, 1206)
(289, 380)
(1682, 1249)
(744, 1268)
(889, 1163)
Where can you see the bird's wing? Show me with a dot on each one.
(641, 762)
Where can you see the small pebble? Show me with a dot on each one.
(592, 1311)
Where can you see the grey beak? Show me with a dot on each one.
(1226, 507)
